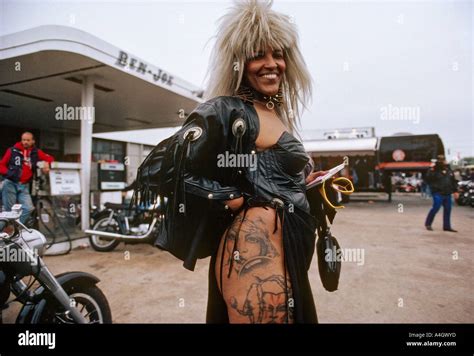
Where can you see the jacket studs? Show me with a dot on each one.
(210, 196)
(226, 207)
(239, 125)
(252, 152)
(196, 131)
(231, 196)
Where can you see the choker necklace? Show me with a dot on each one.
(250, 95)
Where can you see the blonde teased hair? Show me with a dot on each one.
(249, 27)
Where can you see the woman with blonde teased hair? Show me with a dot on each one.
(238, 190)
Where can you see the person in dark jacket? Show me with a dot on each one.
(442, 183)
(17, 167)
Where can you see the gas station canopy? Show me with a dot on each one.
(43, 69)
(64, 80)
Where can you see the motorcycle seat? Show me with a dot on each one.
(115, 206)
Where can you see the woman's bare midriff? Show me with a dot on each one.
(255, 286)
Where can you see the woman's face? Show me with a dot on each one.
(265, 69)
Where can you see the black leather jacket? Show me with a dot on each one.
(441, 180)
(196, 216)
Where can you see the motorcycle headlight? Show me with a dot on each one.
(35, 240)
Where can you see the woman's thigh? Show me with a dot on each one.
(255, 287)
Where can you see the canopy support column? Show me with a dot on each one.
(87, 123)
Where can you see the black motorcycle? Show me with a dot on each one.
(71, 297)
(471, 193)
(466, 193)
(122, 223)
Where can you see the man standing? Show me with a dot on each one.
(17, 166)
(442, 183)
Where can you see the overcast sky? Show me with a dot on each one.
(367, 59)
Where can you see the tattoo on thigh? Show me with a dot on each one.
(254, 248)
(266, 302)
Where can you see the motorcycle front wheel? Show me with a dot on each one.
(89, 300)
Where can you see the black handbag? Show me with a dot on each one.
(329, 260)
(327, 246)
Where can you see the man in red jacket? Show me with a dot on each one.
(17, 166)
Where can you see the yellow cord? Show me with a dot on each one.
(340, 184)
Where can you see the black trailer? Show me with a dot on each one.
(408, 153)
(404, 160)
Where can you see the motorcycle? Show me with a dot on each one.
(120, 223)
(67, 298)
(465, 194)
(471, 193)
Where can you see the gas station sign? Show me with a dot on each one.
(64, 182)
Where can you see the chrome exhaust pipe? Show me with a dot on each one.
(120, 236)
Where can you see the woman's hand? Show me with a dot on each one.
(313, 175)
(235, 204)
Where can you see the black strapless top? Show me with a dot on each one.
(279, 172)
(291, 154)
